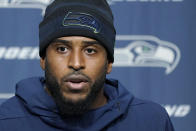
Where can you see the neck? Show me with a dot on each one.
(100, 100)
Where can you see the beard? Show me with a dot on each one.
(67, 107)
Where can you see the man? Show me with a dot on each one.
(76, 48)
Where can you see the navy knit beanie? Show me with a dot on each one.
(88, 18)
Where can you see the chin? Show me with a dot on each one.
(75, 98)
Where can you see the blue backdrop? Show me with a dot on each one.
(154, 55)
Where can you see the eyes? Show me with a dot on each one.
(89, 50)
(62, 49)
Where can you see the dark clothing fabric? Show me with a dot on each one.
(32, 109)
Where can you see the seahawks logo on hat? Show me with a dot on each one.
(81, 19)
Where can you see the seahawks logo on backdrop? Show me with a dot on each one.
(81, 19)
(147, 51)
(36, 4)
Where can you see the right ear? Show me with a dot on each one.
(42, 63)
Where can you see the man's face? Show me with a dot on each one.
(75, 69)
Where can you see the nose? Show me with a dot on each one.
(76, 61)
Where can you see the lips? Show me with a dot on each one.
(76, 82)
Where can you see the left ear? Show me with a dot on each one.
(109, 67)
(42, 63)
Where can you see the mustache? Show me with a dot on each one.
(76, 75)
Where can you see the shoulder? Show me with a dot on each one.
(147, 108)
(145, 104)
(11, 108)
(151, 115)
(142, 115)
(16, 106)
(12, 115)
